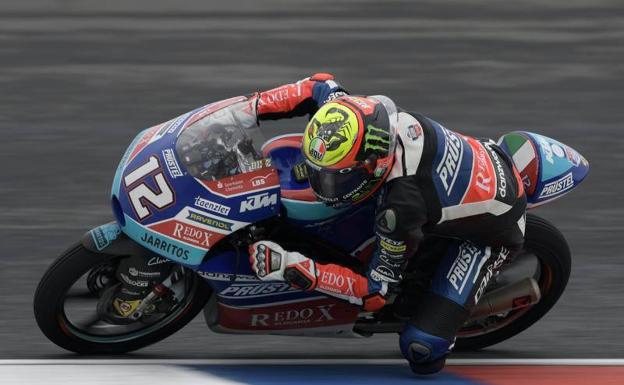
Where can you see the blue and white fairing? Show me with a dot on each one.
(174, 198)
(549, 169)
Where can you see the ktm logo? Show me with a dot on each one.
(259, 201)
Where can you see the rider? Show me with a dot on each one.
(452, 205)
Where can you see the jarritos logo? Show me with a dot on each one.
(187, 233)
(299, 315)
(331, 134)
(260, 179)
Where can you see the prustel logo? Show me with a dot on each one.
(560, 185)
(259, 201)
(172, 164)
(462, 266)
(255, 290)
(448, 168)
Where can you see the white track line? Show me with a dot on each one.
(321, 361)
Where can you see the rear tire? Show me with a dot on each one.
(551, 249)
(59, 278)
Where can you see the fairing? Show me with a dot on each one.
(549, 169)
(174, 202)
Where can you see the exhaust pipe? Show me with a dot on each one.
(511, 297)
(515, 296)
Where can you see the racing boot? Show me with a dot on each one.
(426, 353)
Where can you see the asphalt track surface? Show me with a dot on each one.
(316, 372)
(79, 79)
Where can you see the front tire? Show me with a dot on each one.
(551, 249)
(49, 307)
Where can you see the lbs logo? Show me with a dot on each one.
(259, 201)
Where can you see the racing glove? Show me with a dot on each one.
(270, 262)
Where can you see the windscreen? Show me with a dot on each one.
(224, 143)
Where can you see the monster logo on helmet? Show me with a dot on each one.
(330, 135)
(376, 139)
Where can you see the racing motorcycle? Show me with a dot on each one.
(192, 193)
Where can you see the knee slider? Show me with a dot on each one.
(420, 347)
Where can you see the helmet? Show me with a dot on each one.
(349, 147)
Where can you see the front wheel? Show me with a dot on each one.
(546, 258)
(71, 301)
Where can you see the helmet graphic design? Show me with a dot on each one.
(331, 133)
(349, 147)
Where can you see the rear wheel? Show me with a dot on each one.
(72, 305)
(546, 257)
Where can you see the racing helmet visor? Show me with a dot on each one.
(336, 186)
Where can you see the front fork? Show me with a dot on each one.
(110, 240)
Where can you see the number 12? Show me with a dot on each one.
(141, 195)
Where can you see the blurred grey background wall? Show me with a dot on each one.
(79, 78)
